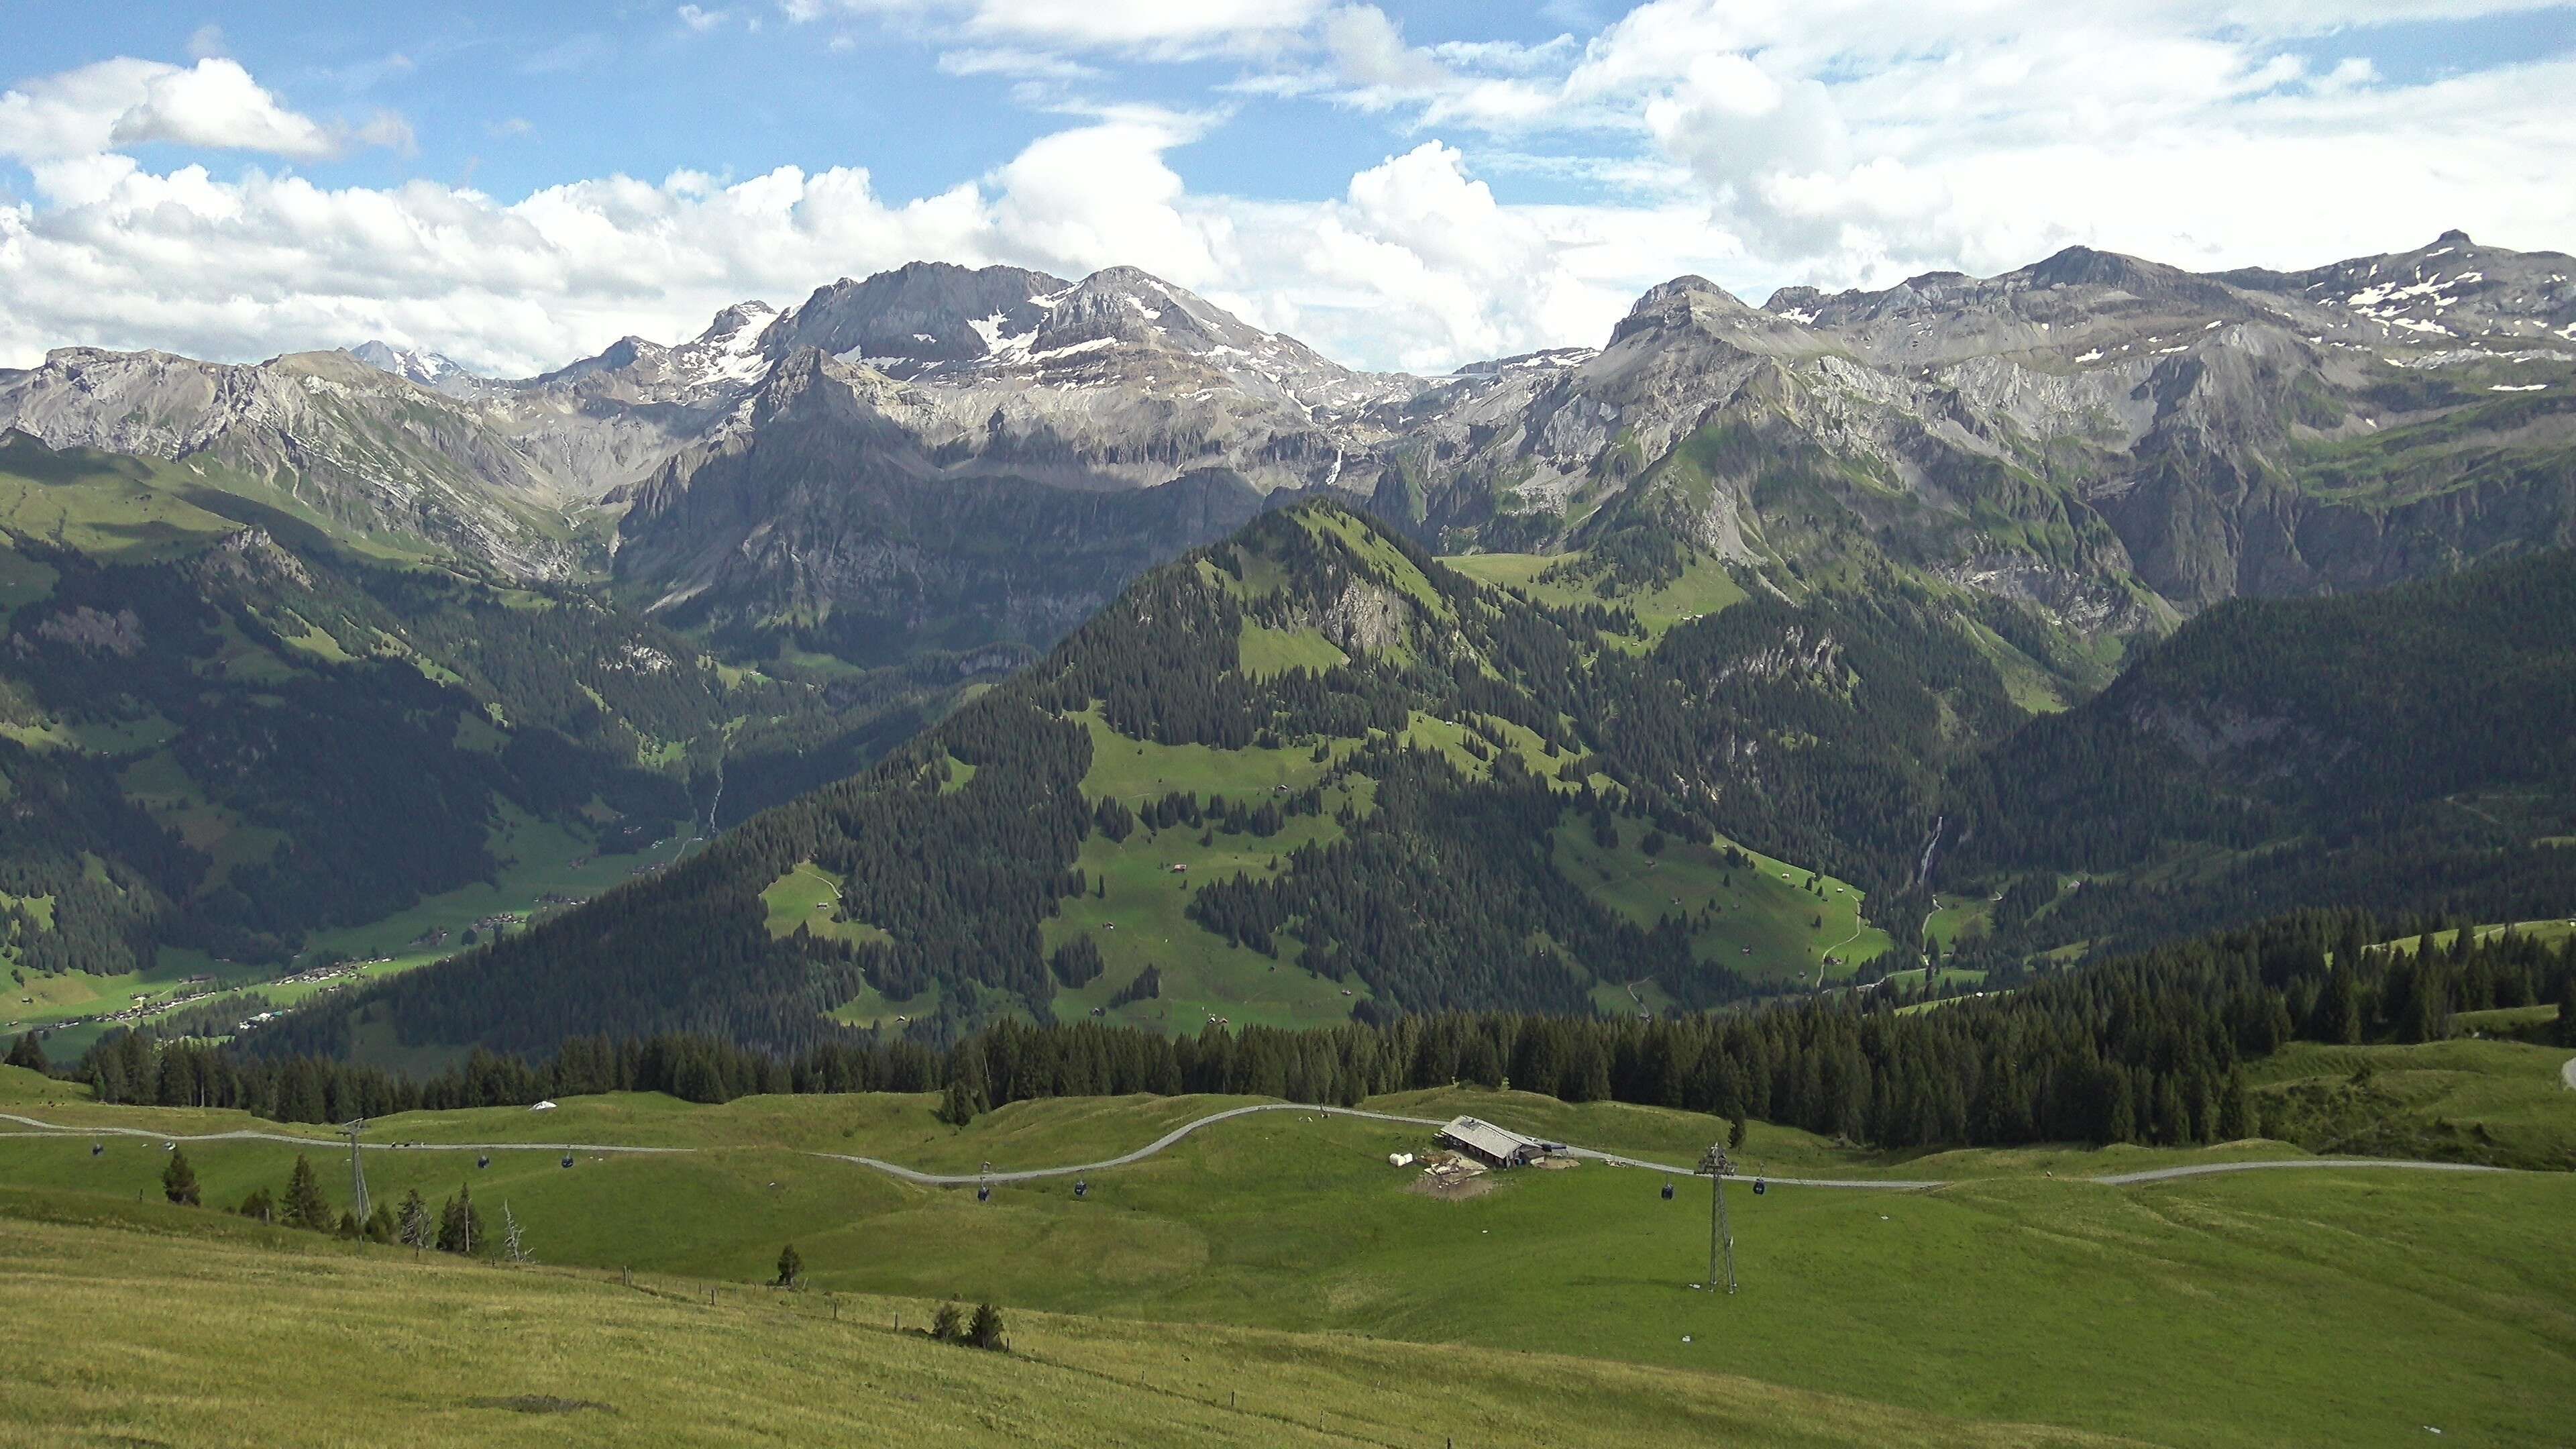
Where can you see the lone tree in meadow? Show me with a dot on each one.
(305, 1207)
(791, 1266)
(947, 1325)
(460, 1224)
(986, 1330)
(179, 1180)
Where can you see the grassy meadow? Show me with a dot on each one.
(2217, 1310)
(187, 1344)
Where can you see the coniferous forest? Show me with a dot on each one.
(2149, 1048)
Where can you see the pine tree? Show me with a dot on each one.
(27, 1052)
(961, 1103)
(947, 1325)
(2567, 1010)
(460, 1224)
(791, 1266)
(1735, 1136)
(179, 1180)
(986, 1330)
(381, 1226)
(305, 1207)
(259, 1205)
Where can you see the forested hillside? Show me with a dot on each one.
(2413, 747)
(1301, 776)
(227, 735)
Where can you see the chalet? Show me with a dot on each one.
(1494, 1146)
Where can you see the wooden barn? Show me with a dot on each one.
(1493, 1146)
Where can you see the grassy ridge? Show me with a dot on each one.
(2208, 1311)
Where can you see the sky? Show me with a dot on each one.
(1402, 185)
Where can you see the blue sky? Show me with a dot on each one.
(1404, 184)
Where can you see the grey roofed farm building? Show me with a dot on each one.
(1494, 1146)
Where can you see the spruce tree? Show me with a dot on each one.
(947, 1325)
(460, 1224)
(986, 1330)
(2567, 1010)
(304, 1207)
(27, 1052)
(259, 1205)
(179, 1180)
(791, 1266)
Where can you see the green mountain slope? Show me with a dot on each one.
(1302, 774)
(230, 736)
(2409, 749)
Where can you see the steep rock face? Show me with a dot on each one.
(826, 512)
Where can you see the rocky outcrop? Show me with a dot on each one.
(1366, 617)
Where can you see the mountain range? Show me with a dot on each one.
(1790, 591)
(2112, 442)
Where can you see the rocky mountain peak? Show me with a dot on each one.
(918, 316)
(429, 369)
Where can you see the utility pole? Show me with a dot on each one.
(358, 1207)
(1721, 1237)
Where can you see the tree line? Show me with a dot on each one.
(2149, 1048)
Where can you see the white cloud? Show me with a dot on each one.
(1839, 142)
(1102, 195)
(700, 19)
(1161, 28)
(126, 102)
(207, 40)
(1014, 63)
(1852, 141)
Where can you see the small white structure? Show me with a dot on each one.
(1399, 1159)
(543, 1107)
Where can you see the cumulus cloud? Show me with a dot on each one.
(1850, 141)
(1416, 265)
(1838, 142)
(123, 103)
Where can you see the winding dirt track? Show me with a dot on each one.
(1168, 1139)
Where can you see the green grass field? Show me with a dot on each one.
(218, 1332)
(1760, 923)
(2206, 1311)
(2497, 1102)
(1704, 587)
(809, 898)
